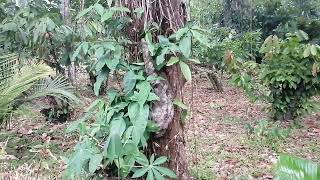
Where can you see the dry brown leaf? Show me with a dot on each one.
(315, 69)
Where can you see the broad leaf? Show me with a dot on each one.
(140, 172)
(160, 160)
(129, 82)
(307, 52)
(295, 168)
(313, 50)
(102, 77)
(185, 46)
(185, 70)
(106, 16)
(95, 162)
(114, 147)
(173, 60)
(166, 171)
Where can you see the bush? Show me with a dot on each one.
(288, 77)
(291, 73)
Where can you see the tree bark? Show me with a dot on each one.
(65, 12)
(216, 84)
(170, 15)
(172, 143)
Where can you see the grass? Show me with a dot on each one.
(34, 154)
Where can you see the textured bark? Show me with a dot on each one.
(172, 143)
(65, 12)
(171, 15)
(215, 82)
(163, 110)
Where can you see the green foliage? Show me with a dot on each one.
(226, 45)
(178, 46)
(152, 169)
(291, 73)
(114, 142)
(288, 78)
(267, 134)
(285, 16)
(120, 132)
(23, 84)
(246, 76)
(289, 167)
(206, 12)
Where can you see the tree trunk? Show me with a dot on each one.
(172, 143)
(170, 15)
(216, 84)
(65, 12)
(227, 13)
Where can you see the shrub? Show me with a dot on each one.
(288, 77)
(291, 73)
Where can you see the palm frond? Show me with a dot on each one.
(58, 87)
(14, 81)
(28, 82)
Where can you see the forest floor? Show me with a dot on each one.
(219, 142)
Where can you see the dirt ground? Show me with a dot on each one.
(219, 145)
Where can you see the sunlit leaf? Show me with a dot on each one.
(185, 70)
(173, 60)
(185, 46)
(95, 162)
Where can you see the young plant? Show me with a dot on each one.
(287, 79)
(291, 73)
(267, 134)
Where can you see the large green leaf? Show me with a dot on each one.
(129, 82)
(173, 60)
(95, 162)
(107, 15)
(161, 57)
(139, 117)
(185, 46)
(185, 70)
(140, 172)
(102, 77)
(114, 147)
(293, 168)
(141, 96)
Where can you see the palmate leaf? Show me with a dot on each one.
(293, 168)
(8, 64)
(152, 168)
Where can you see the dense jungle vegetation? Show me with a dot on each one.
(163, 89)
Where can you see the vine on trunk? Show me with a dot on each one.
(156, 70)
